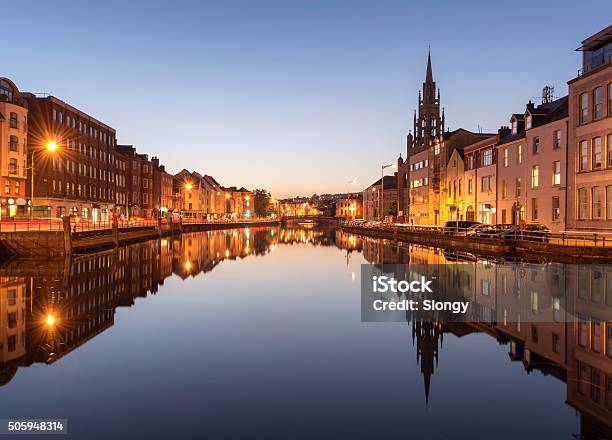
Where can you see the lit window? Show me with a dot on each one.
(535, 176)
(556, 180)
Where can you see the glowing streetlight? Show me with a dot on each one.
(50, 320)
(188, 186)
(51, 145)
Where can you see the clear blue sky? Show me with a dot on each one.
(298, 97)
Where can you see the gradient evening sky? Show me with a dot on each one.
(298, 97)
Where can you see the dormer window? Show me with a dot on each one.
(527, 121)
(514, 126)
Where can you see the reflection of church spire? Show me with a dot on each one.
(427, 335)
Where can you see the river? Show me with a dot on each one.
(256, 333)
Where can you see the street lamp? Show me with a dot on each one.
(381, 196)
(50, 146)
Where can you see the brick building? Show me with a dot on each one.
(77, 175)
(13, 150)
(163, 194)
(589, 188)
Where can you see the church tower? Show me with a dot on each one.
(429, 123)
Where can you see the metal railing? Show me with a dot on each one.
(80, 225)
(564, 238)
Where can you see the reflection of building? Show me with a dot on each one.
(13, 150)
(12, 319)
(349, 208)
(589, 186)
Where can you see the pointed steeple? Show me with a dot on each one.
(429, 75)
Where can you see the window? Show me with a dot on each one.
(514, 126)
(556, 343)
(7, 187)
(504, 189)
(534, 209)
(519, 154)
(486, 183)
(14, 143)
(12, 166)
(583, 206)
(16, 188)
(557, 140)
(556, 177)
(556, 210)
(597, 103)
(518, 187)
(505, 157)
(535, 176)
(437, 149)
(610, 99)
(528, 122)
(584, 156)
(597, 154)
(469, 186)
(609, 150)
(596, 197)
(536, 145)
(534, 334)
(609, 214)
(582, 332)
(487, 157)
(584, 108)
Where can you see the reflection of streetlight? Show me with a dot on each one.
(188, 265)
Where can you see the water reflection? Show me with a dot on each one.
(49, 309)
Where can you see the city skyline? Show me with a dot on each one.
(255, 109)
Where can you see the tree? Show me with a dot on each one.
(391, 209)
(261, 200)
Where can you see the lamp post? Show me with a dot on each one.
(381, 196)
(50, 146)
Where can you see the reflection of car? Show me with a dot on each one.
(531, 231)
(491, 231)
(458, 227)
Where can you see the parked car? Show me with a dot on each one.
(491, 231)
(531, 231)
(458, 227)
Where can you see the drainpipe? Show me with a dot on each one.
(567, 195)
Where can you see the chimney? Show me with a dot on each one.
(503, 131)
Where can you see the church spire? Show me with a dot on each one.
(429, 75)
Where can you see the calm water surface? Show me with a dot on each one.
(257, 334)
